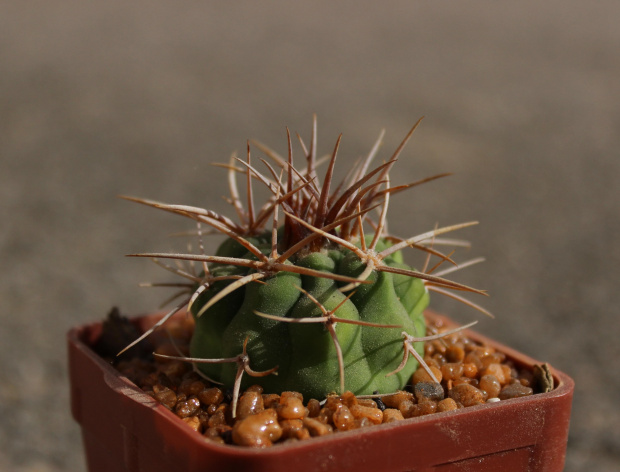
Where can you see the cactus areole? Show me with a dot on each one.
(309, 292)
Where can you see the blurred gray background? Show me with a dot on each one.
(138, 97)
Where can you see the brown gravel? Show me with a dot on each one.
(469, 373)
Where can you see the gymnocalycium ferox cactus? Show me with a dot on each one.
(310, 293)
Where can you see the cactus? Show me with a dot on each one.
(309, 293)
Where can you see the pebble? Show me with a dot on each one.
(421, 375)
(369, 402)
(217, 419)
(447, 404)
(165, 396)
(285, 395)
(391, 414)
(259, 430)
(424, 408)
(496, 370)
(314, 407)
(316, 428)
(455, 353)
(343, 418)
(470, 370)
(325, 415)
(473, 358)
(211, 396)
(392, 401)
(294, 429)
(452, 370)
(425, 391)
(467, 395)
(291, 407)
(174, 370)
(193, 422)
(406, 408)
(362, 423)
(271, 400)
(250, 403)
(216, 434)
(348, 398)
(187, 408)
(515, 390)
(191, 387)
(374, 415)
(491, 385)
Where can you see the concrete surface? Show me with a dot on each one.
(137, 97)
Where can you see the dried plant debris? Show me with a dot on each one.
(117, 332)
(544, 377)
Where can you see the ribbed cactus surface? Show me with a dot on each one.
(305, 353)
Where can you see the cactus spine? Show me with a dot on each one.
(309, 292)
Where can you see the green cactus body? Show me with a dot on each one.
(307, 305)
(305, 353)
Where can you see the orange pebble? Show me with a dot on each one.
(452, 371)
(343, 418)
(193, 422)
(294, 429)
(375, 415)
(314, 407)
(392, 414)
(250, 403)
(466, 395)
(259, 430)
(211, 396)
(447, 404)
(421, 375)
(496, 370)
(470, 370)
(291, 407)
(490, 385)
(394, 400)
(455, 353)
(316, 428)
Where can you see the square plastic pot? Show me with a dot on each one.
(125, 430)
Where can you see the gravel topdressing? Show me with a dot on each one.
(469, 374)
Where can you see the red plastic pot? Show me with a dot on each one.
(125, 430)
